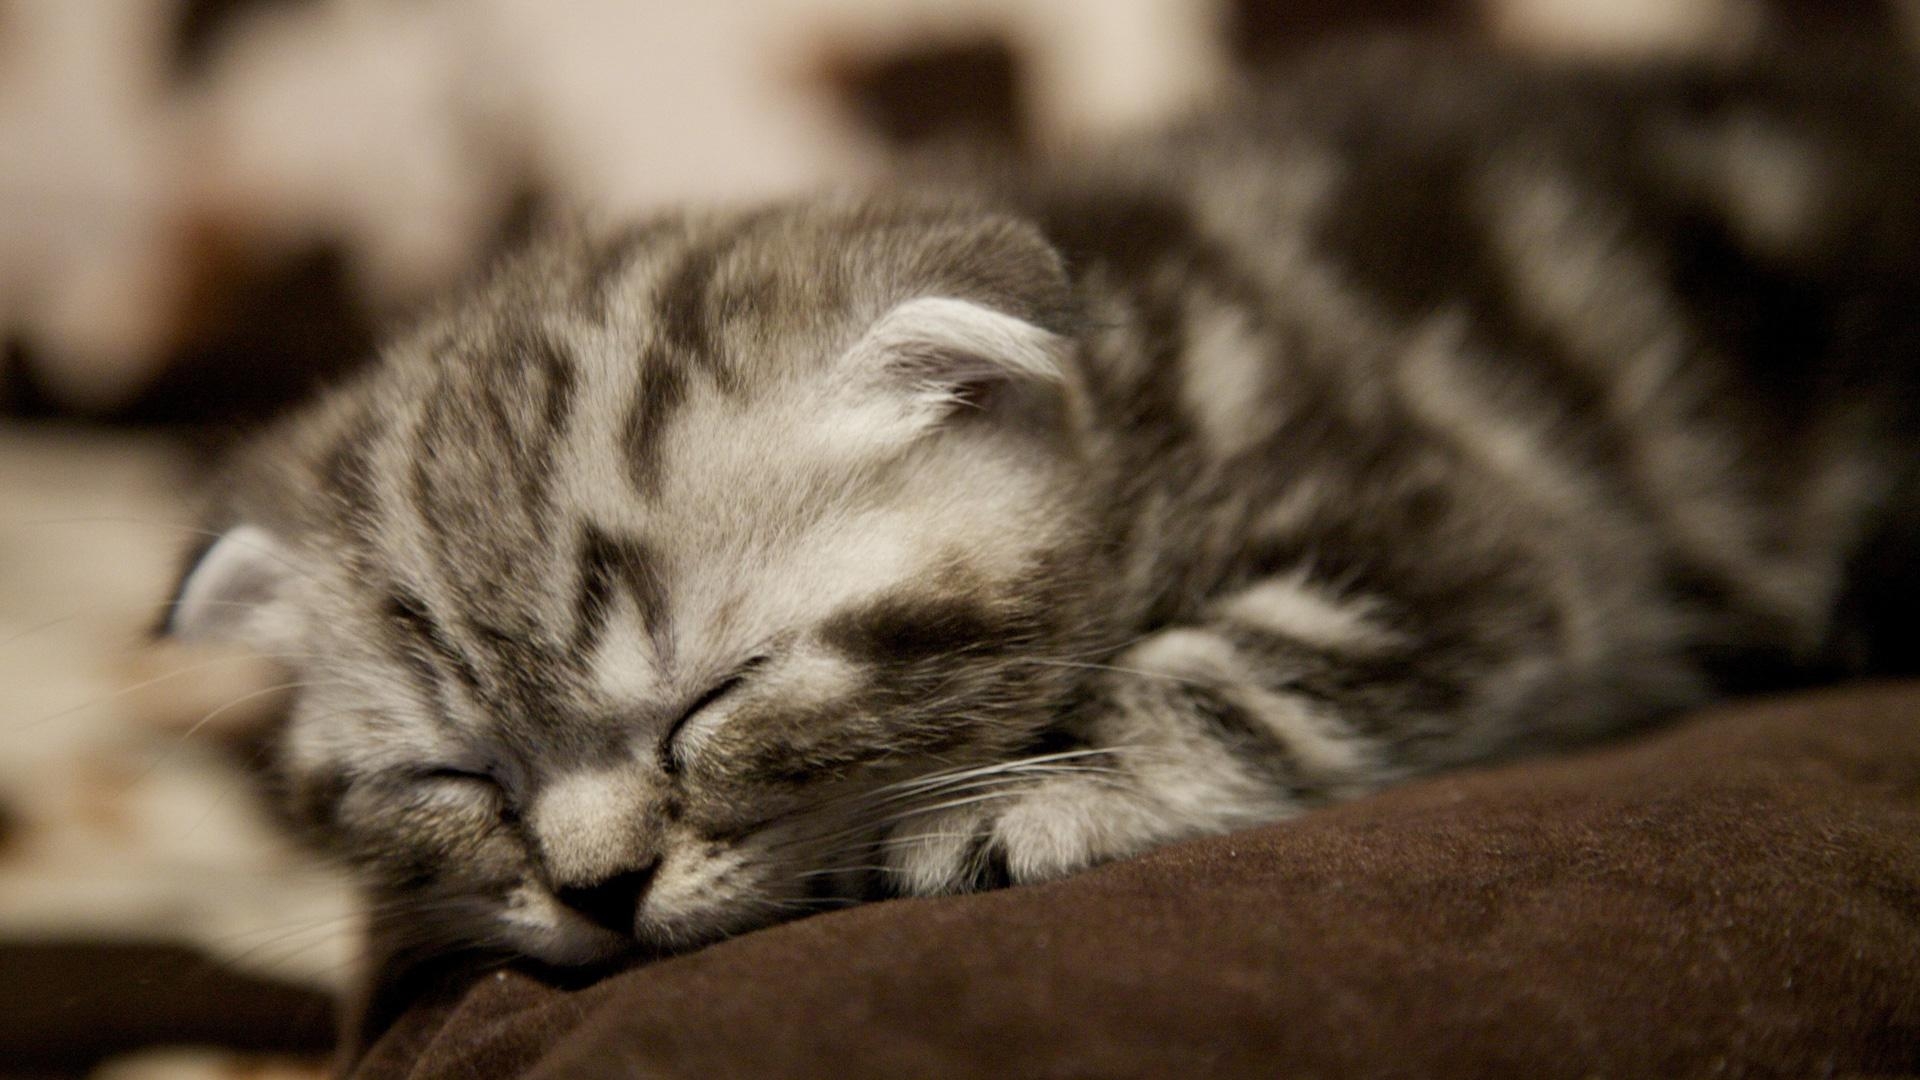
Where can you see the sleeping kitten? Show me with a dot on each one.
(1423, 411)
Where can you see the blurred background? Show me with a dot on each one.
(208, 208)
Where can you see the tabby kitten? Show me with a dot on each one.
(1422, 411)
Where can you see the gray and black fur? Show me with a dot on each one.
(1422, 410)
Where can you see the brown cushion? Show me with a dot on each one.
(1736, 896)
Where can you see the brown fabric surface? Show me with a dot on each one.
(67, 1006)
(1739, 896)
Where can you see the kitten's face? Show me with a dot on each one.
(622, 591)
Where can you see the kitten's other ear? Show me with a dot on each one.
(945, 354)
(235, 592)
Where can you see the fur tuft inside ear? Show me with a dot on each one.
(233, 592)
(948, 354)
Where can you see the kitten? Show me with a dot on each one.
(1423, 411)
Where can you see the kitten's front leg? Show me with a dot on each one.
(1192, 732)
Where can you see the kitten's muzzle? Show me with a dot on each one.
(613, 903)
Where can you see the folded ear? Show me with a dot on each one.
(235, 592)
(939, 356)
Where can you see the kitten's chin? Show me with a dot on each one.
(534, 924)
(572, 943)
(539, 927)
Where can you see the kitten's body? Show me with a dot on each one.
(1422, 413)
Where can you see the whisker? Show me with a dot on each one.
(874, 868)
(1208, 684)
(993, 767)
(38, 628)
(958, 785)
(123, 691)
(184, 737)
(920, 838)
(950, 804)
(911, 812)
(277, 688)
(308, 926)
(862, 821)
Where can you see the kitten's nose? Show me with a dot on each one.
(611, 903)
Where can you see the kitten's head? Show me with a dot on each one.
(622, 590)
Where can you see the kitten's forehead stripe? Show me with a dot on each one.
(695, 301)
(561, 383)
(607, 562)
(416, 654)
(410, 614)
(681, 305)
(537, 368)
(663, 387)
(347, 471)
(609, 266)
(495, 410)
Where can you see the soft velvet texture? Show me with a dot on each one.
(1735, 896)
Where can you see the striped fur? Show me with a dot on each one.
(1426, 410)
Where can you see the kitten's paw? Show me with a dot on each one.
(1045, 830)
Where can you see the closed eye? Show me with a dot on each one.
(669, 760)
(452, 778)
(449, 773)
